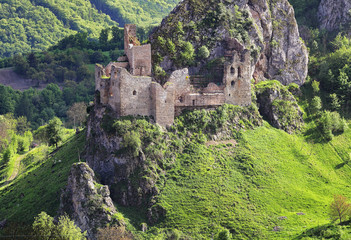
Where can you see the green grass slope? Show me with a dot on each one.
(38, 184)
(266, 184)
(269, 180)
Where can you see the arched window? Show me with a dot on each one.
(232, 70)
(232, 83)
(134, 92)
(239, 72)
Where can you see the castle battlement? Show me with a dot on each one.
(128, 88)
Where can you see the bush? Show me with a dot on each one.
(44, 228)
(331, 123)
(131, 141)
(316, 105)
(224, 235)
(203, 52)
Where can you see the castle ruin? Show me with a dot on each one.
(128, 88)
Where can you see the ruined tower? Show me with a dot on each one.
(126, 85)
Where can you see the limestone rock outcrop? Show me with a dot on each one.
(332, 14)
(87, 202)
(279, 106)
(267, 29)
(123, 173)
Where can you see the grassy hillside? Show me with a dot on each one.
(264, 180)
(248, 188)
(39, 182)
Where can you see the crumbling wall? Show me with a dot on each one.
(135, 94)
(140, 60)
(162, 104)
(237, 79)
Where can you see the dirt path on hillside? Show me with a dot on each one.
(15, 169)
(232, 141)
(9, 78)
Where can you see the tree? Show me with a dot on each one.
(340, 209)
(77, 113)
(316, 104)
(187, 56)
(65, 229)
(43, 226)
(103, 38)
(334, 102)
(54, 131)
(315, 86)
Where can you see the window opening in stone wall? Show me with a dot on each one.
(113, 83)
(134, 92)
(193, 102)
(232, 83)
(239, 72)
(232, 70)
(115, 74)
(180, 99)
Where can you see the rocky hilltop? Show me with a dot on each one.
(267, 29)
(333, 13)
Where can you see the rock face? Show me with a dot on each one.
(267, 29)
(122, 172)
(279, 106)
(333, 13)
(85, 201)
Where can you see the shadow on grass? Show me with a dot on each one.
(326, 231)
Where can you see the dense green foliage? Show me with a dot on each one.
(68, 64)
(39, 106)
(45, 228)
(140, 12)
(187, 42)
(24, 24)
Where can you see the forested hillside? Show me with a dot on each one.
(35, 25)
(141, 12)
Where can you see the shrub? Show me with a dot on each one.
(316, 105)
(331, 123)
(44, 228)
(315, 87)
(203, 52)
(131, 141)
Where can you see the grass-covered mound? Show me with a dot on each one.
(267, 185)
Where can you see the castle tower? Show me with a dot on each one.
(139, 56)
(237, 79)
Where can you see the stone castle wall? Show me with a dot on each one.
(134, 93)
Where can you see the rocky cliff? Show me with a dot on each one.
(333, 14)
(267, 29)
(119, 169)
(87, 202)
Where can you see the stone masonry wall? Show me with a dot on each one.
(140, 60)
(163, 104)
(237, 79)
(135, 94)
